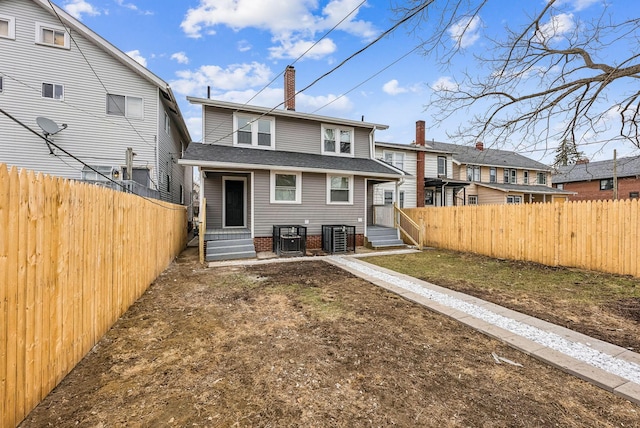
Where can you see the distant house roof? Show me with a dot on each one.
(216, 156)
(284, 113)
(488, 157)
(410, 147)
(626, 167)
(68, 20)
(523, 188)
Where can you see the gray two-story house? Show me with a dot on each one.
(117, 123)
(262, 167)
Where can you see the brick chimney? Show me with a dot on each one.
(420, 141)
(290, 88)
(479, 146)
(582, 161)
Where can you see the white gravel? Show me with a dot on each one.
(579, 351)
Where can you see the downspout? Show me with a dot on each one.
(372, 155)
(372, 150)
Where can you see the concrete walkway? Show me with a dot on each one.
(608, 366)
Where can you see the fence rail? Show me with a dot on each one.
(594, 235)
(73, 258)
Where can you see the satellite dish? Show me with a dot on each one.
(49, 127)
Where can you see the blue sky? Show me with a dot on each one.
(238, 46)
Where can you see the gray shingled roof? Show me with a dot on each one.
(217, 155)
(488, 157)
(627, 167)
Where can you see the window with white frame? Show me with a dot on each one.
(340, 189)
(514, 199)
(122, 105)
(51, 35)
(254, 131)
(401, 199)
(394, 158)
(286, 187)
(560, 186)
(473, 200)
(473, 173)
(493, 175)
(7, 27)
(442, 166)
(167, 123)
(525, 177)
(510, 176)
(388, 197)
(53, 91)
(542, 178)
(337, 140)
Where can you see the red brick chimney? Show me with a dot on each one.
(420, 141)
(582, 161)
(290, 88)
(480, 146)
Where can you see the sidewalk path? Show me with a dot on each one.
(608, 366)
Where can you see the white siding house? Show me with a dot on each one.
(53, 66)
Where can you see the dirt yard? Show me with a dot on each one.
(308, 345)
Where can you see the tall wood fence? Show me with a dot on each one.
(594, 235)
(73, 258)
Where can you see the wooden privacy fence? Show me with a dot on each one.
(73, 258)
(594, 235)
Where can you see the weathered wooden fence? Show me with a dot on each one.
(595, 235)
(73, 258)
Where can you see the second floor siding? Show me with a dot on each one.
(488, 174)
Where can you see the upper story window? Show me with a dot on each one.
(1, 85)
(493, 175)
(286, 187)
(337, 140)
(542, 178)
(394, 158)
(606, 184)
(7, 27)
(560, 186)
(53, 91)
(167, 123)
(254, 131)
(473, 173)
(340, 189)
(525, 177)
(51, 35)
(510, 176)
(442, 166)
(121, 105)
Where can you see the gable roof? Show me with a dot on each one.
(284, 113)
(408, 147)
(168, 97)
(216, 156)
(488, 157)
(626, 167)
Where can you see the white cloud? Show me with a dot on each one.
(577, 5)
(77, 8)
(392, 87)
(294, 21)
(234, 77)
(444, 83)
(466, 31)
(180, 57)
(133, 7)
(135, 54)
(244, 46)
(556, 28)
(293, 49)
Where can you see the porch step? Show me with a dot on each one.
(230, 249)
(383, 237)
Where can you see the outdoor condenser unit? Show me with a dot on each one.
(338, 238)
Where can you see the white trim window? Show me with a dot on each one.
(542, 178)
(493, 176)
(7, 27)
(254, 131)
(473, 173)
(442, 166)
(51, 35)
(512, 199)
(472, 200)
(286, 187)
(340, 189)
(388, 197)
(121, 105)
(167, 124)
(53, 91)
(525, 177)
(394, 158)
(337, 140)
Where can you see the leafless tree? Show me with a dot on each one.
(542, 82)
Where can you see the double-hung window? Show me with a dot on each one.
(493, 175)
(53, 91)
(442, 166)
(473, 173)
(394, 158)
(254, 131)
(510, 176)
(542, 178)
(51, 35)
(286, 187)
(340, 189)
(121, 105)
(525, 177)
(167, 123)
(7, 27)
(337, 140)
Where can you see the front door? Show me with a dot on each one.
(234, 203)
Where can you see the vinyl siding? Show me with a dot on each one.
(431, 165)
(212, 190)
(409, 186)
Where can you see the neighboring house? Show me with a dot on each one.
(482, 176)
(597, 180)
(53, 66)
(403, 157)
(262, 167)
